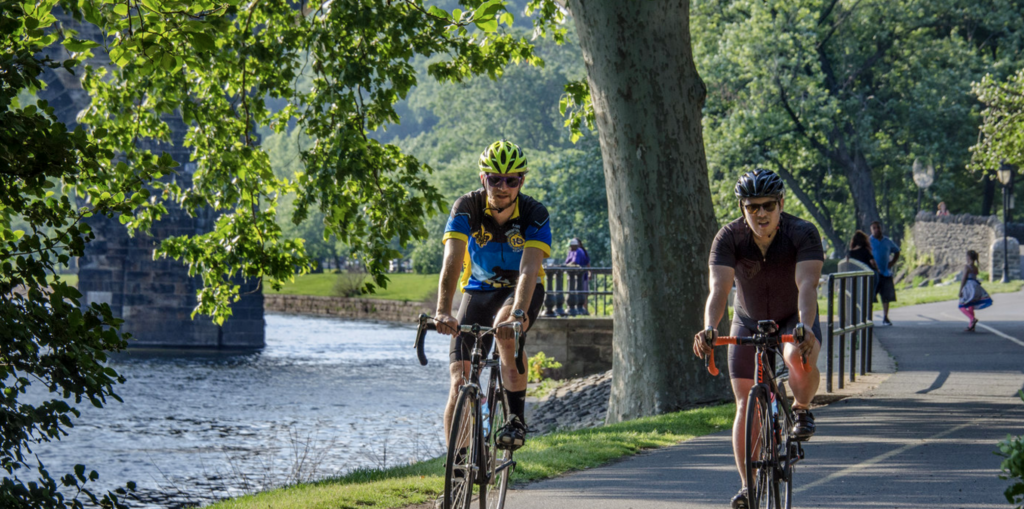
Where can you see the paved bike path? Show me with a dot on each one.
(924, 438)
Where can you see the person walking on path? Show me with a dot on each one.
(972, 295)
(860, 250)
(886, 253)
(775, 259)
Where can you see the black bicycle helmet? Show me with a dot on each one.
(759, 183)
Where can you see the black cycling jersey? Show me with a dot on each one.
(766, 283)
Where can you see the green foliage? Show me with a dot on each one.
(572, 187)
(1002, 128)
(1012, 467)
(820, 90)
(427, 257)
(538, 363)
(50, 180)
(333, 70)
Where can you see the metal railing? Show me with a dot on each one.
(856, 307)
(577, 291)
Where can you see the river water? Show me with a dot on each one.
(324, 397)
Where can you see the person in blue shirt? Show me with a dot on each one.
(886, 253)
(498, 238)
(578, 257)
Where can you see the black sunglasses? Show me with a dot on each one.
(510, 181)
(769, 206)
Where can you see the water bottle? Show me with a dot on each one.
(486, 416)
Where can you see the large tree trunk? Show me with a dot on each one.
(862, 188)
(647, 99)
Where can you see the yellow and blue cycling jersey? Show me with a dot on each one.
(494, 251)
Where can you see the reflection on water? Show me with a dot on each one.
(324, 397)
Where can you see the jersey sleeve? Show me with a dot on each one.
(809, 247)
(723, 249)
(458, 221)
(892, 246)
(538, 230)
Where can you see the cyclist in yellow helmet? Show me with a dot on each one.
(501, 237)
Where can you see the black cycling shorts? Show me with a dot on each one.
(481, 307)
(741, 357)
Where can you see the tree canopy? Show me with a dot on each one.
(225, 70)
(840, 97)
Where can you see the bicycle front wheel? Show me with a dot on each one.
(462, 449)
(762, 451)
(499, 462)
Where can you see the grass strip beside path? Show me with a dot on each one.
(542, 458)
(405, 287)
(927, 294)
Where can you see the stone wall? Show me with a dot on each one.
(582, 345)
(154, 297)
(1013, 259)
(355, 309)
(948, 238)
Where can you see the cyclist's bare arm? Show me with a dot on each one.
(529, 267)
(719, 285)
(454, 253)
(807, 275)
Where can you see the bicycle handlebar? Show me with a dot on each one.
(426, 322)
(709, 360)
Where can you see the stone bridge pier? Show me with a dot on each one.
(154, 297)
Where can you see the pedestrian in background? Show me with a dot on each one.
(578, 257)
(943, 211)
(886, 254)
(972, 295)
(860, 250)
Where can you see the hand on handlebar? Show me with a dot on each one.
(446, 324)
(504, 331)
(807, 345)
(701, 343)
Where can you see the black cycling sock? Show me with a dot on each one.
(517, 404)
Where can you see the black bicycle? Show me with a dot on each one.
(473, 459)
(772, 454)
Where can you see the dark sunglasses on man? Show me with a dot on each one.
(509, 181)
(769, 206)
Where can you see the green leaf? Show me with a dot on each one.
(203, 42)
(75, 45)
(437, 11)
(121, 10)
(488, 26)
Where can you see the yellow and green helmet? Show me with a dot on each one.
(503, 157)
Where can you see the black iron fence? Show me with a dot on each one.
(577, 291)
(855, 292)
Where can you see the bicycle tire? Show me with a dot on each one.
(495, 489)
(762, 447)
(458, 489)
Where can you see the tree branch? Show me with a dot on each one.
(808, 203)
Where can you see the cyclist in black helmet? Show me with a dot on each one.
(775, 259)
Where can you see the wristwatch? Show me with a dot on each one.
(519, 315)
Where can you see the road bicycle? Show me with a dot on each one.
(473, 458)
(772, 453)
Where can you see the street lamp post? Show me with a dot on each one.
(1005, 174)
(924, 176)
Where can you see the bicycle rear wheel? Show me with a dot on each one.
(458, 473)
(499, 462)
(762, 451)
